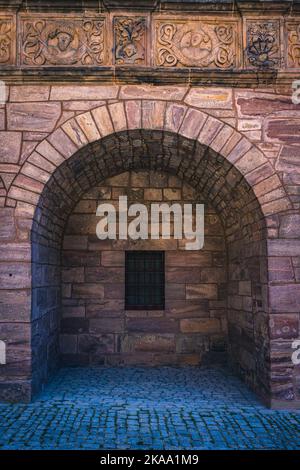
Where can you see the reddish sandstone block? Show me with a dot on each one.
(84, 92)
(10, 147)
(33, 116)
(133, 114)
(290, 226)
(192, 123)
(153, 113)
(284, 326)
(175, 93)
(103, 120)
(284, 298)
(200, 325)
(201, 291)
(219, 98)
(29, 93)
(174, 116)
(62, 143)
(118, 116)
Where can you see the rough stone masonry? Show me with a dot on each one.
(170, 101)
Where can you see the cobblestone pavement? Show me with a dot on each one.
(142, 408)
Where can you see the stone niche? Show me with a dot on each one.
(95, 328)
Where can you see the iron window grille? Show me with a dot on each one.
(144, 280)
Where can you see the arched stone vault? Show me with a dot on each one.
(227, 169)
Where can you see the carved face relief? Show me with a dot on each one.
(63, 42)
(195, 44)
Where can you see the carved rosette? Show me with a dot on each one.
(196, 44)
(63, 41)
(263, 47)
(130, 40)
(6, 40)
(293, 44)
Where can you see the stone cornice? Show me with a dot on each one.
(155, 76)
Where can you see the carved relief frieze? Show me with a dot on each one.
(204, 44)
(7, 40)
(292, 41)
(263, 43)
(59, 41)
(130, 40)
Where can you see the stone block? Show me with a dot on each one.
(147, 92)
(151, 325)
(284, 298)
(96, 344)
(211, 98)
(83, 92)
(10, 147)
(21, 93)
(285, 326)
(192, 123)
(106, 325)
(88, 290)
(201, 291)
(33, 116)
(204, 326)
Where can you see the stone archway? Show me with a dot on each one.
(207, 153)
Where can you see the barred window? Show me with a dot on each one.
(144, 280)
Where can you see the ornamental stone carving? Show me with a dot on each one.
(293, 44)
(6, 40)
(196, 44)
(61, 41)
(263, 49)
(130, 40)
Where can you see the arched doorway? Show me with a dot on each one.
(216, 182)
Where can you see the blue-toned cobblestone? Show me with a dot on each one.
(143, 408)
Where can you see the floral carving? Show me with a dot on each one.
(263, 44)
(63, 42)
(5, 41)
(196, 44)
(130, 45)
(293, 42)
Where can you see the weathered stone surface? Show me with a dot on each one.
(200, 325)
(10, 147)
(288, 159)
(29, 93)
(284, 326)
(85, 92)
(201, 291)
(284, 298)
(152, 92)
(220, 98)
(15, 275)
(7, 224)
(290, 226)
(33, 116)
(149, 343)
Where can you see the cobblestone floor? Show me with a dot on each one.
(142, 408)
